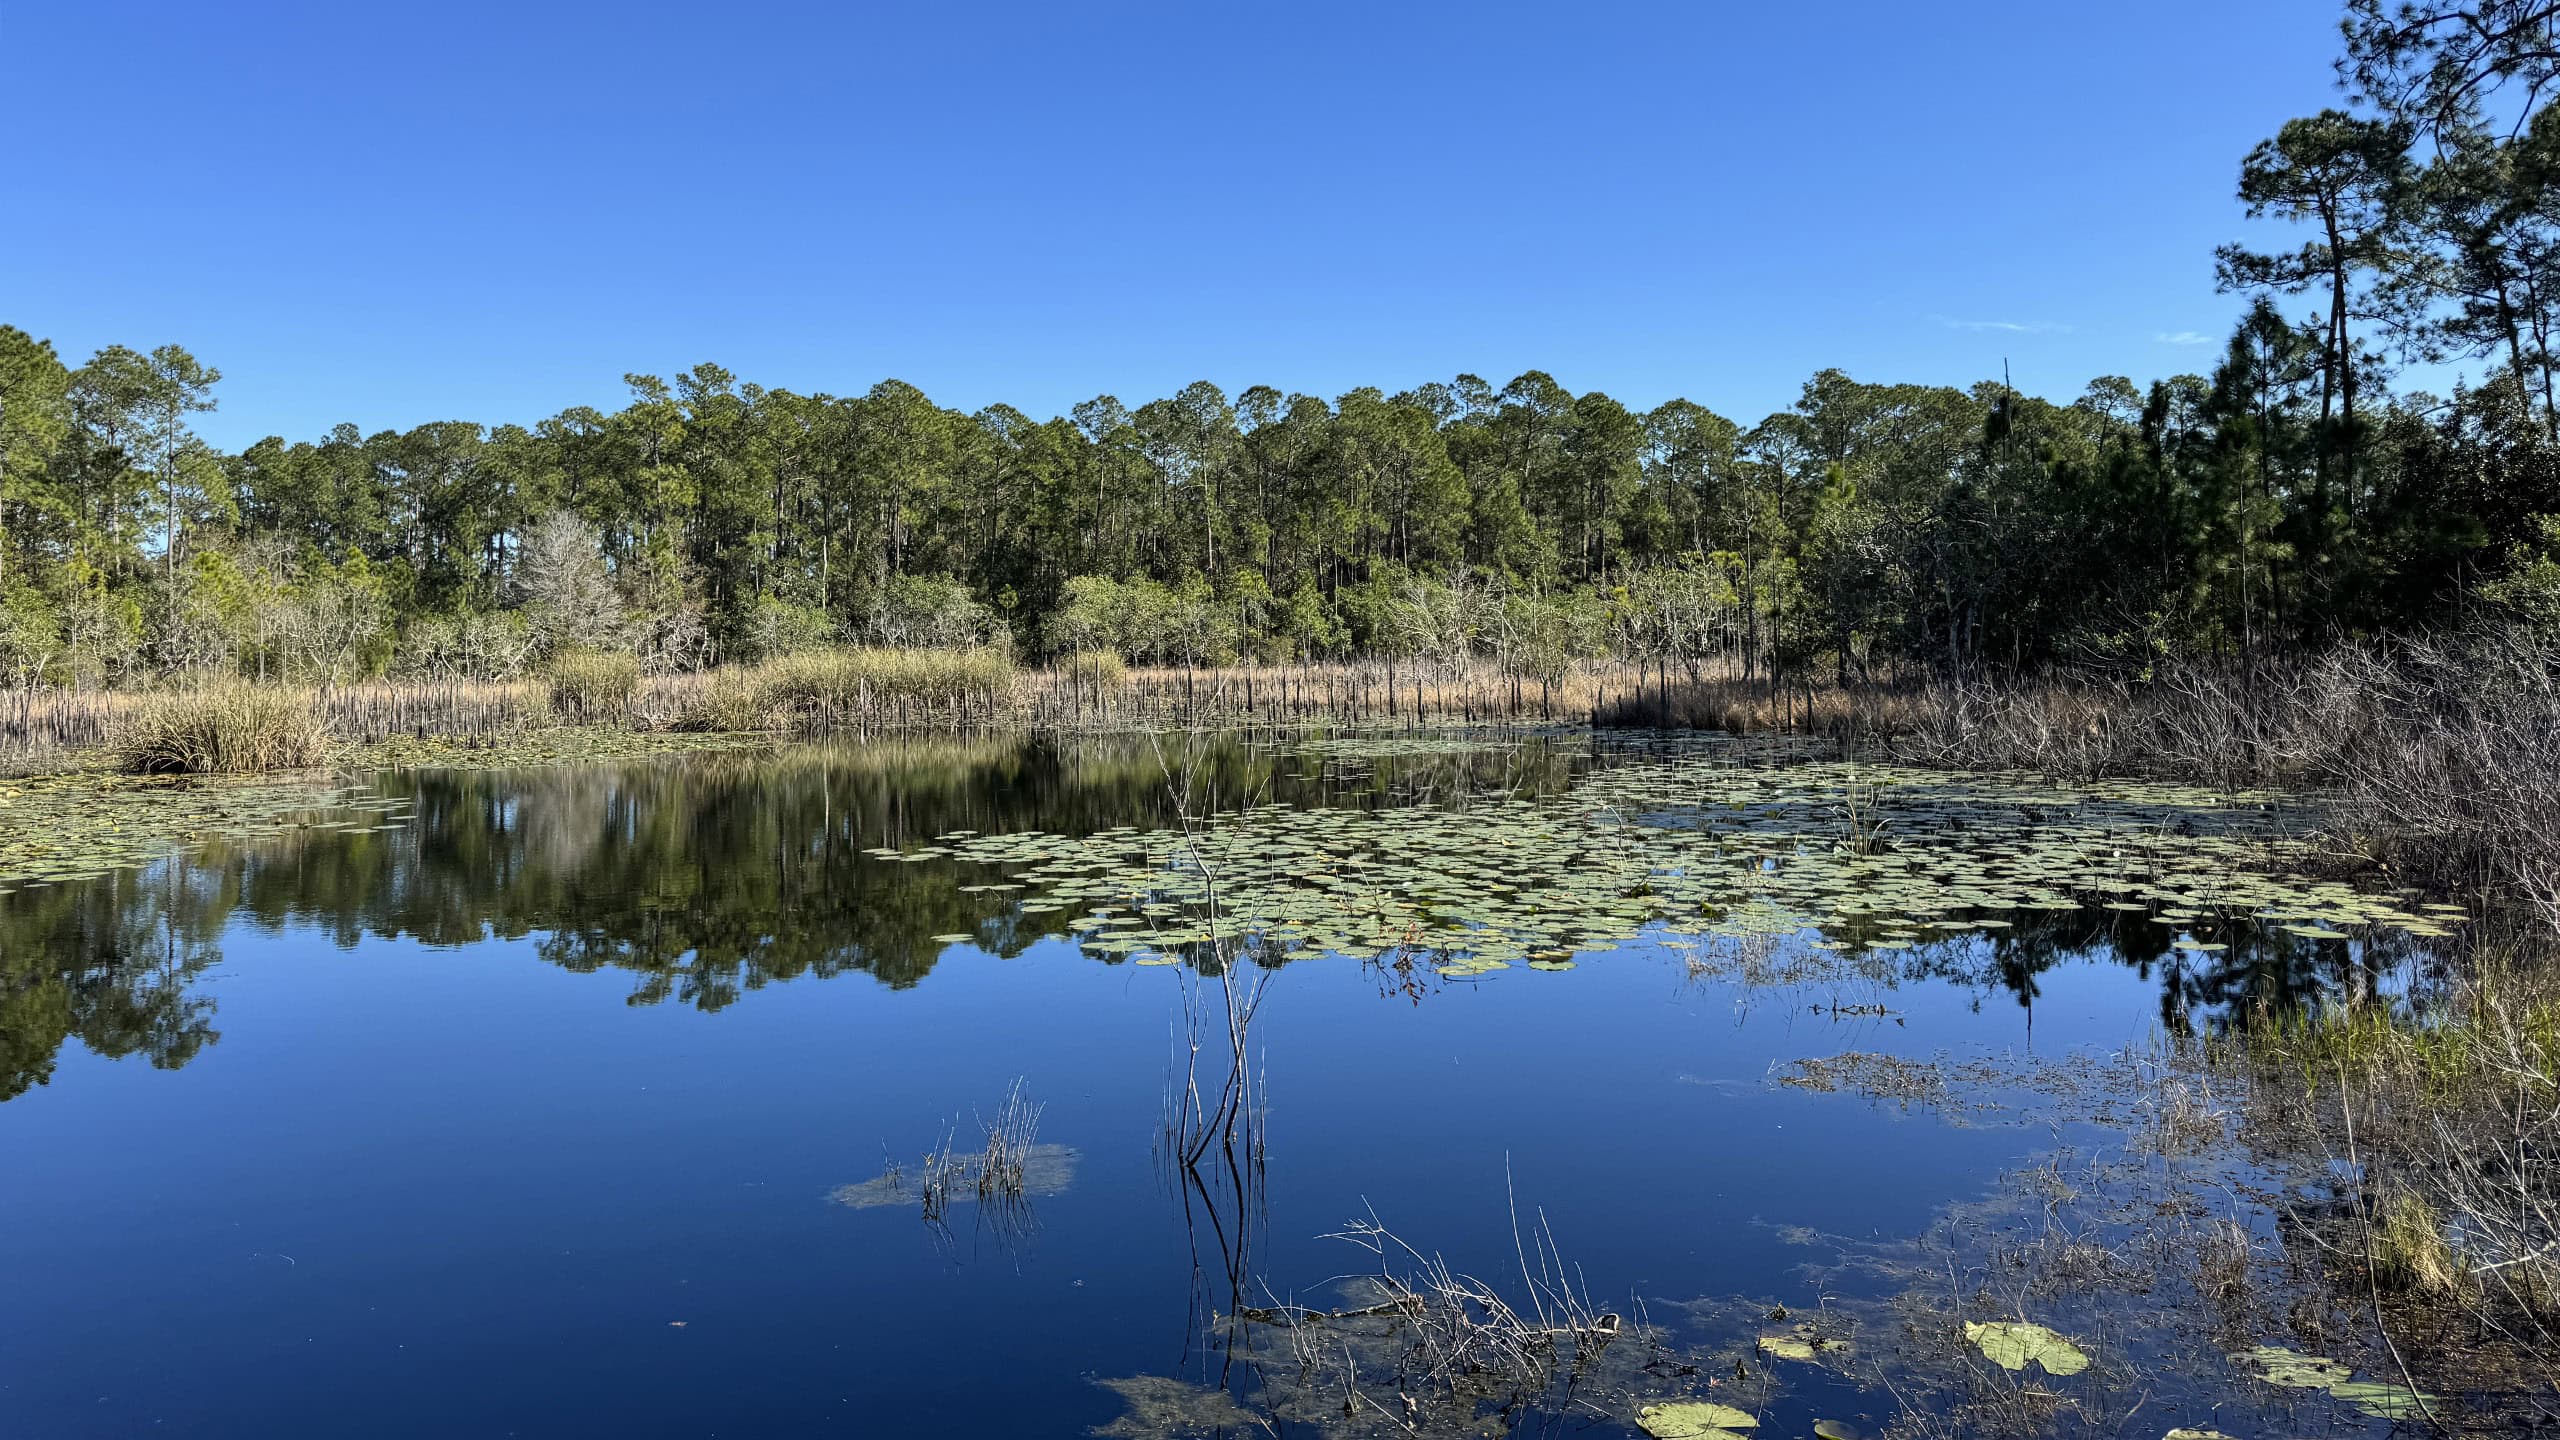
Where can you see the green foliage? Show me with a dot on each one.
(779, 628)
(2530, 588)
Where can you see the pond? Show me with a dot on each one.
(655, 1098)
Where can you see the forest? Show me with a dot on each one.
(2298, 492)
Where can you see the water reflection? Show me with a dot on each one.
(702, 879)
(110, 963)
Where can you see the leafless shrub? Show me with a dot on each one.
(567, 587)
(2453, 773)
(2439, 759)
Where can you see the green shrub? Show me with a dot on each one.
(592, 687)
(228, 729)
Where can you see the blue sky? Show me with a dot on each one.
(396, 214)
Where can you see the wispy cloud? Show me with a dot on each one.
(2008, 327)
(2183, 337)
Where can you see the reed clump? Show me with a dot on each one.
(2411, 1251)
(822, 690)
(592, 687)
(726, 700)
(1004, 1169)
(234, 728)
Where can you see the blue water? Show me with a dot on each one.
(441, 1189)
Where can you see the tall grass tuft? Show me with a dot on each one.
(823, 689)
(592, 687)
(232, 728)
(727, 700)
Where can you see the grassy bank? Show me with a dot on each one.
(2440, 763)
(855, 691)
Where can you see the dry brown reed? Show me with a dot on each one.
(592, 687)
(1010, 1136)
(233, 728)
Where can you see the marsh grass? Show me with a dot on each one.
(2410, 1251)
(725, 700)
(2433, 1127)
(592, 687)
(1001, 1174)
(225, 729)
(852, 691)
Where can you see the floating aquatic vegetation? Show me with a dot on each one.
(2014, 1345)
(2381, 1401)
(545, 746)
(1694, 1420)
(75, 827)
(1163, 1408)
(1803, 1342)
(1874, 1075)
(2294, 1370)
(1689, 842)
(1397, 747)
(79, 824)
(2291, 1368)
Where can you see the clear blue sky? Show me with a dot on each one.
(395, 214)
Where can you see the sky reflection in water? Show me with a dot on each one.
(523, 1119)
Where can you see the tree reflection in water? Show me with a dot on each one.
(706, 877)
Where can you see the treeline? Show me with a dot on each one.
(2286, 496)
(711, 520)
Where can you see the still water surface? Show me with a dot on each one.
(522, 1115)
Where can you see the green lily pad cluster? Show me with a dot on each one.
(1394, 747)
(63, 828)
(2277, 1365)
(1695, 846)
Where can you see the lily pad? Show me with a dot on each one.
(1693, 1420)
(2014, 1345)
(2291, 1368)
(2381, 1401)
